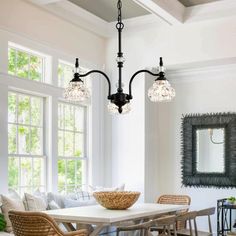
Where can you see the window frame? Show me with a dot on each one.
(29, 156)
(46, 62)
(85, 157)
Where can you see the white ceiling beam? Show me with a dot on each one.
(77, 16)
(214, 10)
(171, 11)
(45, 2)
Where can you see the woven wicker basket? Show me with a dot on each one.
(116, 200)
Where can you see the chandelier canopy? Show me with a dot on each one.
(119, 102)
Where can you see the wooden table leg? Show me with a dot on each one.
(97, 230)
(69, 227)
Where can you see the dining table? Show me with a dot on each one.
(100, 218)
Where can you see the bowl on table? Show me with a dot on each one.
(115, 200)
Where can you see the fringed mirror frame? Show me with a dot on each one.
(190, 176)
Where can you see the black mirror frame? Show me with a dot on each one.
(190, 176)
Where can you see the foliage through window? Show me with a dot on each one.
(71, 146)
(26, 160)
(25, 64)
(65, 74)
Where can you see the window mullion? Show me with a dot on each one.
(18, 155)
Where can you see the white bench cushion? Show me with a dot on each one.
(5, 234)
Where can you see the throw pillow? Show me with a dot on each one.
(52, 205)
(101, 189)
(10, 204)
(42, 195)
(82, 195)
(69, 203)
(58, 198)
(3, 223)
(34, 203)
(13, 194)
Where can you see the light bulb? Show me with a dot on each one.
(113, 108)
(76, 92)
(161, 91)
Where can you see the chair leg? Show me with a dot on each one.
(117, 232)
(175, 232)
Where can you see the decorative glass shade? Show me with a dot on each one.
(161, 91)
(113, 109)
(76, 92)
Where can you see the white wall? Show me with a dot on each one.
(210, 92)
(37, 24)
(146, 143)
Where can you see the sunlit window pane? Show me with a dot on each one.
(71, 136)
(36, 111)
(71, 172)
(38, 172)
(36, 139)
(61, 174)
(35, 68)
(12, 139)
(60, 143)
(25, 141)
(22, 64)
(23, 109)
(79, 145)
(12, 108)
(69, 141)
(13, 172)
(26, 171)
(69, 117)
(12, 61)
(79, 118)
(25, 65)
(65, 74)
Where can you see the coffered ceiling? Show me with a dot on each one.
(107, 9)
(99, 15)
(190, 3)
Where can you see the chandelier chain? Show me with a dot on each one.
(119, 24)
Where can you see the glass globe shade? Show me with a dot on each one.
(76, 92)
(113, 109)
(161, 91)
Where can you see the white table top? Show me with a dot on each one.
(98, 214)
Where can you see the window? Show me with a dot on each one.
(25, 64)
(65, 74)
(26, 160)
(71, 146)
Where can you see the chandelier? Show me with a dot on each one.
(119, 102)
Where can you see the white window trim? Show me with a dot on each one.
(30, 155)
(46, 61)
(85, 157)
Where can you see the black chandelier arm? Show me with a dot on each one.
(102, 73)
(134, 75)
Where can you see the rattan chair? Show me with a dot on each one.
(166, 223)
(207, 213)
(175, 200)
(189, 217)
(37, 224)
